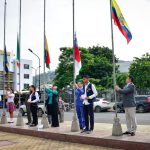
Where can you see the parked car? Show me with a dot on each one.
(142, 104)
(101, 104)
(67, 106)
(40, 112)
(23, 97)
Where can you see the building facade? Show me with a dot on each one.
(26, 78)
(12, 80)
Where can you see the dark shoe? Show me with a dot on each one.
(127, 132)
(88, 132)
(83, 131)
(32, 125)
(10, 122)
(28, 123)
(91, 130)
(132, 134)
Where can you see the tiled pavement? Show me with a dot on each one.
(21, 142)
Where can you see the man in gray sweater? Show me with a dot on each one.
(129, 104)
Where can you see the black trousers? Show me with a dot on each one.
(49, 109)
(28, 113)
(34, 114)
(52, 109)
(89, 116)
(55, 121)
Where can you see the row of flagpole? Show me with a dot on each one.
(120, 22)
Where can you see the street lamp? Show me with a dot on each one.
(39, 67)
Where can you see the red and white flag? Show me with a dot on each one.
(77, 57)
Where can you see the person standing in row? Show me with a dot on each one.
(79, 105)
(88, 97)
(62, 109)
(28, 109)
(10, 104)
(33, 100)
(52, 106)
(129, 104)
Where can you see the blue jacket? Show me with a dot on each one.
(79, 101)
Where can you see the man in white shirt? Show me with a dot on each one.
(89, 96)
(33, 100)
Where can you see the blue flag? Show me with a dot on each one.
(6, 70)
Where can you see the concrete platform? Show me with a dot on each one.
(100, 137)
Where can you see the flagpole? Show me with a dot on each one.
(74, 125)
(117, 130)
(44, 45)
(19, 51)
(113, 56)
(19, 117)
(44, 120)
(3, 118)
(5, 5)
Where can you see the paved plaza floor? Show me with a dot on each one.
(9, 141)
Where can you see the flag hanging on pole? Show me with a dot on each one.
(6, 70)
(77, 57)
(47, 54)
(18, 52)
(120, 21)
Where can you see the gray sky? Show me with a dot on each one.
(92, 26)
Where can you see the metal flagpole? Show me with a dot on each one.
(74, 125)
(3, 118)
(19, 51)
(117, 130)
(44, 120)
(19, 118)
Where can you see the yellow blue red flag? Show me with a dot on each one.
(120, 21)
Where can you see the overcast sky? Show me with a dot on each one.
(92, 26)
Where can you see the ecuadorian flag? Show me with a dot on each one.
(47, 54)
(120, 21)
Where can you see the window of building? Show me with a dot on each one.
(26, 76)
(26, 86)
(26, 66)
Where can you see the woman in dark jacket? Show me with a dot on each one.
(52, 105)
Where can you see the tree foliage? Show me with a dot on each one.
(96, 62)
(140, 69)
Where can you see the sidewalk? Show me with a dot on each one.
(100, 137)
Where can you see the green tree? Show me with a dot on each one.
(96, 62)
(120, 79)
(140, 69)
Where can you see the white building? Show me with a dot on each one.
(25, 74)
(12, 81)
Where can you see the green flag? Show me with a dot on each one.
(18, 52)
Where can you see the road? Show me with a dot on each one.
(107, 117)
